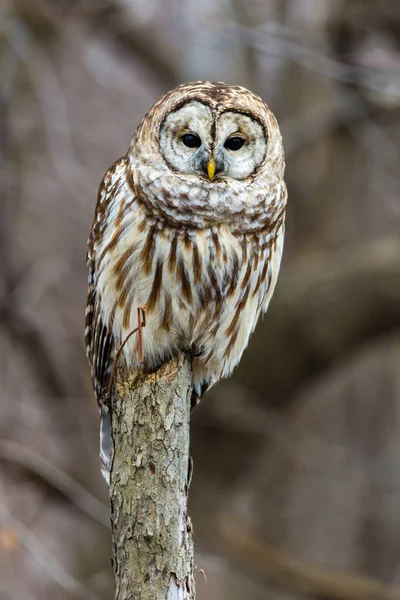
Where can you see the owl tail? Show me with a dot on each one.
(105, 443)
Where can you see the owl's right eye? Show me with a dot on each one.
(191, 141)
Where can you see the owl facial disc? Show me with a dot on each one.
(199, 140)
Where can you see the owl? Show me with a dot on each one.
(190, 225)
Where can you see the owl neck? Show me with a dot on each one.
(185, 202)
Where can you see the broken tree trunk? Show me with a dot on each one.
(151, 530)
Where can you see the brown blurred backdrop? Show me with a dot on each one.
(301, 448)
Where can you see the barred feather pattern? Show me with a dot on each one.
(202, 257)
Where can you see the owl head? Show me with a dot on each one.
(215, 147)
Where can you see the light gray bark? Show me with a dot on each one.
(151, 531)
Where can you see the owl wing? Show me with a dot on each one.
(270, 275)
(100, 352)
(99, 342)
(100, 346)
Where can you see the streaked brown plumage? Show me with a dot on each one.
(190, 224)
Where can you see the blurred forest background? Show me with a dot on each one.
(300, 449)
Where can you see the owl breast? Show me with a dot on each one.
(203, 289)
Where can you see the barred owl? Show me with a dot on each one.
(190, 224)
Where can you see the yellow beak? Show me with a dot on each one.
(211, 169)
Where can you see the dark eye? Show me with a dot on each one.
(234, 143)
(191, 141)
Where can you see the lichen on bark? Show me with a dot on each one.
(151, 530)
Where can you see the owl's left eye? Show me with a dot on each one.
(191, 141)
(234, 143)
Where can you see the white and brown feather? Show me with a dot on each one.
(203, 257)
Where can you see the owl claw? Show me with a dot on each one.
(141, 313)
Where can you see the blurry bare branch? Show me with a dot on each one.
(8, 176)
(44, 557)
(329, 306)
(244, 415)
(118, 26)
(276, 565)
(59, 480)
(30, 341)
(280, 42)
(242, 14)
(306, 128)
(44, 81)
(19, 328)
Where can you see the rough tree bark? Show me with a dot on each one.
(151, 531)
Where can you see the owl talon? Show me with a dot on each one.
(141, 313)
